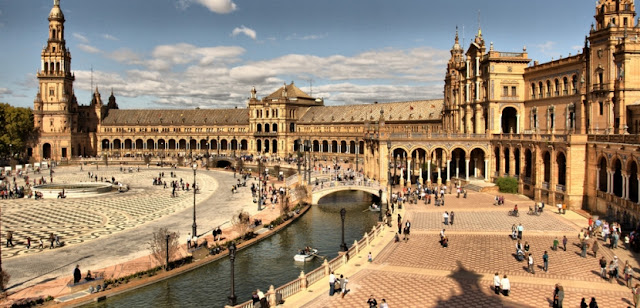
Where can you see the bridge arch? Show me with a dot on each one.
(317, 195)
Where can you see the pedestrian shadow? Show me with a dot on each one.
(472, 291)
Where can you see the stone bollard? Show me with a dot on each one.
(303, 280)
(355, 243)
(345, 258)
(327, 270)
(272, 296)
(366, 237)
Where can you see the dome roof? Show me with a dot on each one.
(56, 12)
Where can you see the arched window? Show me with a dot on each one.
(57, 67)
(533, 90)
(548, 94)
(259, 128)
(557, 88)
(574, 84)
(266, 127)
(292, 128)
(46, 67)
(53, 34)
(274, 128)
(565, 89)
(541, 89)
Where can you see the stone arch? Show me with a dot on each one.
(496, 156)
(267, 146)
(234, 144)
(546, 163)
(117, 144)
(274, 127)
(352, 147)
(128, 144)
(46, 151)
(477, 167)
(602, 173)
(509, 120)
(182, 144)
(561, 163)
(632, 172)
(161, 144)
(259, 145)
(325, 146)
(259, 127)
(507, 160)
(172, 144)
(267, 127)
(316, 146)
(343, 147)
(243, 145)
(203, 144)
(214, 144)
(150, 144)
(193, 143)
(105, 144)
(459, 157)
(334, 146)
(361, 147)
(617, 177)
(274, 146)
(528, 163)
(224, 144)
(139, 144)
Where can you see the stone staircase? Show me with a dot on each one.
(481, 186)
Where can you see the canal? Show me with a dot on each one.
(263, 264)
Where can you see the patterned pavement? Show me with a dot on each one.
(421, 273)
(82, 219)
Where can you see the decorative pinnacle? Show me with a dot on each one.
(56, 2)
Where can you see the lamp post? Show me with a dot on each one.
(167, 268)
(207, 156)
(232, 258)
(259, 185)
(234, 147)
(194, 226)
(309, 148)
(218, 147)
(190, 149)
(298, 157)
(343, 246)
(357, 150)
(389, 172)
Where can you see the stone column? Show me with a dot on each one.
(439, 175)
(475, 167)
(625, 193)
(429, 171)
(448, 170)
(609, 181)
(467, 170)
(597, 179)
(639, 188)
(486, 170)
(457, 167)
(409, 172)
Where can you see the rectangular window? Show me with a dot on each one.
(52, 91)
(505, 91)
(514, 91)
(601, 108)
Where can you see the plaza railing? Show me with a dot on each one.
(301, 283)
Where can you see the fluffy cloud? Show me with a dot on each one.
(295, 36)
(83, 39)
(244, 30)
(4, 91)
(216, 6)
(186, 76)
(109, 37)
(88, 48)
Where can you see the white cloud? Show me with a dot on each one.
(216, 6)
(88, 48)
(244, 30)
(81, 38)
(186, 76)
(546, 46)
(4, 91)
(295, 36)
(109, 37)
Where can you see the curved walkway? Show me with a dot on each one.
(113, 229)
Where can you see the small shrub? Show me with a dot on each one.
(507, 185)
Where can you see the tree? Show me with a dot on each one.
(16, 129)
(507, 185)
(241, 222)
(158, 245)
(4, 279)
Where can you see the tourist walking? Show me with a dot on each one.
(384, 304)
(545, 261)
(445, 216)
(372, 302)
(636, 295)
(558, 297)
(584, 245)
(564, 242)
(189, 241)
(583, 303)
(531, 270)
(595, 247)
(593, 303)
(603, 267)
(10, 238)
(343, 285)
(52, 239)
(451, 216)
(332, 283)
(628, 274)
(555, 244)
(520, 229)
(77, 275)
(505, 286)
(496, 284)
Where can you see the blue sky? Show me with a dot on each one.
(208, 53)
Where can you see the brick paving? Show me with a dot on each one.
(421, 273)
(460, 289)
(79, 220)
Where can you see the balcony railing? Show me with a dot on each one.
(561, 188)
(545, 185)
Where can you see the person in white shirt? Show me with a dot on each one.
(531, 264)
(384, 304)
(189, 241)
(505, 286)
(496, 284)
(445, 216)
(332, 284)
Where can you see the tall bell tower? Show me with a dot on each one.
(55, 105)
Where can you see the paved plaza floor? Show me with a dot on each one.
(421, 273)
(113, 228)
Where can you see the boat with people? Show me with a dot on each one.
(374, 208)
(305, 255)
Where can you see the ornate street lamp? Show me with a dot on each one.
(298, 157)
(194, 226)
(343, 246)
(207, 156)
(260, 166)
(389, 172)
(190, 149)
(380, 213)
(232, 258)
(218, 147)
(357, 150)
